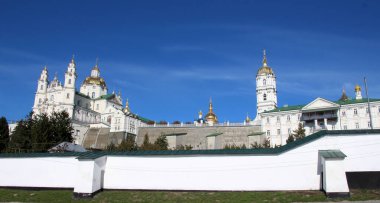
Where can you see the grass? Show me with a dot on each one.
(18, 195)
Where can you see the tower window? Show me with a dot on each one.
(265, 97)
(264, 82)
(268, 132)
(68, 95)
(42, 87)
(93, 95)
(69, 81)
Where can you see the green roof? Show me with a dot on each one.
(345, 102)
(286, 108)
(214, 134)
(262, 151)
(175, 134)
(107, 96)
(355, 101)
(332, 154)
(256, 133)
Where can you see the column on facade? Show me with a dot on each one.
(325, 122)
(315, 123)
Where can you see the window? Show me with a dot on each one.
(78, 102)
(68, 96)
(345, 127)
(288, 118)
(289, 131)
(42, 87)
(357, 125)
(265, 97)
(278, 119)
(343, 113)
(93, 95)
(369, 124)
(355, 112)
(69, 81)
(264, 82)
(267, 119)
(333, 127)
(268, 132)
(278, 131)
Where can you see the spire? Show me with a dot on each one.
(247, 119)
(55, 76)
(96, 62)
(264, 59)
(45, 68)
(210, 105)
(344, 95)
(200, 113)
(72, 59)
(126, 109)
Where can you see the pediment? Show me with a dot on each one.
(320, 103)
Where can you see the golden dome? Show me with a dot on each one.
(210, 116)
(358, 88)
(95, 81)
(265, 69)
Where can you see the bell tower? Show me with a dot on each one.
(266, 91)
(41, 92)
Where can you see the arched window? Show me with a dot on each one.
(265, 97)
(68, 95)
(69, 81)
(264, 82)
(93, 95)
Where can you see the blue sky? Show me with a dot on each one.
(169, 57)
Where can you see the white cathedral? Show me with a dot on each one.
(93, 107)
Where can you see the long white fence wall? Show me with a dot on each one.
(55, 172)
(297, 169)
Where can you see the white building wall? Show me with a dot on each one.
(55, 172)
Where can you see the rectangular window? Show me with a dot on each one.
(68, 95)
(267, 119)
(357, 125)
(268, 132)
(289, 131)
(278, 131)
(345, 127)
(278, 119)
(355, 112)
(343, 113)
(369, 124)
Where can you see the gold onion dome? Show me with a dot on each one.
(358, 88)
(210, 116)
(95, 80)
(265, 69)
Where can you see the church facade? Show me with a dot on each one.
(91, 106)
